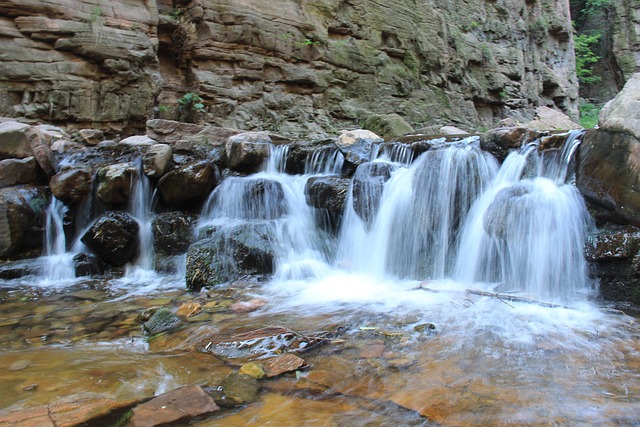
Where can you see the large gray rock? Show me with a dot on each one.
(622, 114)
(157, 160)
(231, 252)
(71, 186)
(13, 141)
(608, 176)
(190, 183)
(22, 214)
(18, 171)
(550, 119)
(387, 125)
(246, 152)
(114, 183)
(114, 238)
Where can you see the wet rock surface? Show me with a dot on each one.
(114, 238)
(22, 213)
(71, 186)
(173, 232)
(177, 405)
(188, 184)
(368, 184)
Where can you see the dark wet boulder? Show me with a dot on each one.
(18, 171)
(230, 253)
(16, 269)
(328, 195)
(71, 186)
(249, 198)
(173, 232)
(162, 320)
(368, 184)
(501, 141)
(114, 183)
(503, 211)
(190, 183)
(114, 238)
(356, 145)
(613, 254)
(22, 215)
(247, 151)
(86, 264)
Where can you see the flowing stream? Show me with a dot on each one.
(409, 280)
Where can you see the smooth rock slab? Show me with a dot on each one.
(180, 404)
(282, 364)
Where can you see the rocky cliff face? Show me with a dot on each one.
(293, 66)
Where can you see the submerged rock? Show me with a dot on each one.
(368, 184)
(177, 405)
(238, 389)
(231, 252)
(114, 238)
(282, 364)
(162, 320)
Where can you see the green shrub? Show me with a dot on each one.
(190, 106)
(585, 57)
(589, 115)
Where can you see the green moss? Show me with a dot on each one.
(589, 115)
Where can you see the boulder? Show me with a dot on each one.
(114, 238)
(71, 186)
(452, 130)
(501, 141)
(180, 404)
(13, 141)
(356, 145)
(328, 194)
(114, 183)
(614, 260)
(157, 160)
(622, 114)
(246, 152)
(230, 253)
(173, 232)
(190, 183)
(503, 211)
(18, 171)
(91, 136)
(85, 264)
(387, 125)
(138, 141)
(22, 214)
(549, 119)
(607, 174)
(368, 184)
(42, 151)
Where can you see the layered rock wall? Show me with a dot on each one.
(293, 66)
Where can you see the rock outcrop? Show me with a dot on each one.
(295, 67)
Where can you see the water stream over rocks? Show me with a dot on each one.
(450, 290)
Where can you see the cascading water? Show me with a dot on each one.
(140, 208)
(58, 263)
(527, 232)
(324, 161)
(415, 229)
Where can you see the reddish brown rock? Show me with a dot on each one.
(179, 404)
(282, 364)
(192, 182)
(41, 151)
(32, 417)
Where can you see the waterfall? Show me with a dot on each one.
(326, 160)
(140, 208)
(58, 263)
(415, 230)
(526, 233)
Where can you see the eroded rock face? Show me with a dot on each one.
(114, 238)
(322, 66)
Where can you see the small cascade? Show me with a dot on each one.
(415, 230)
(395, 152)
(527, 231)
(326, 160)
(277, 160)
(58, 263)
(140, 208)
